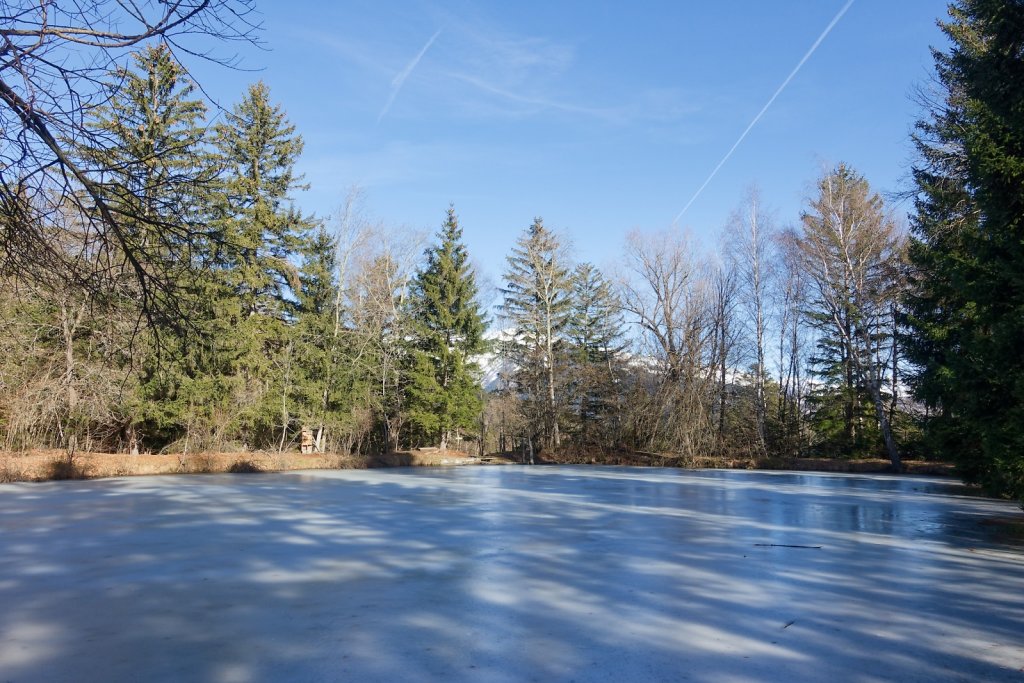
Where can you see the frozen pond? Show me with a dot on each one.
(507, 574)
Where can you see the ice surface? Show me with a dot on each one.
(507, 574)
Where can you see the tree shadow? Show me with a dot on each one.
(505, 574)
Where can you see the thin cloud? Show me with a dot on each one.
(828, 29)
(530, 100)
(399, 80)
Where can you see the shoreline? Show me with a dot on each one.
(53, 465)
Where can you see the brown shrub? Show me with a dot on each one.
(245, 466)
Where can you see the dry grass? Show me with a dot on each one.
(8, 471)
(44, 465)
(575, 456)
(865, 466)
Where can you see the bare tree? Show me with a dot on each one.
(64, 374)
(749, 239)
(351, 233)
(724, 334)
(792, 338)
(376, 297)
(667, 296)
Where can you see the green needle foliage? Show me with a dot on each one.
(966, 307)
(448, 326)
(261, 230)
(537, 304)
(157, 177)
(154, 173)
(258, 149)
(596, 333)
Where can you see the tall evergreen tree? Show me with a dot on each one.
(261, 230)
(537, 303)
(595, 331)
(318, 343)
(156, 176)
(966, 307)
(443, 390)
(258, 148)
(154, 171)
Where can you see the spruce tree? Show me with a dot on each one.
(318, 342)
(156, 176)
(595, 330)
(258, 148)
(153, 167)
(537, 303)
(444, 390)
(262, 231)
(966, 307)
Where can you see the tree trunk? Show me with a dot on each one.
(552, 412)
(850, 399)
(133, 440)
(722, 363)
(761, 407)
(886, 427)
(69, 326)
(285, 416)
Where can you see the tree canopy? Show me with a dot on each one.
(966, 305)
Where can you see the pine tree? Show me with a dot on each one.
(966, 307)
(156, 176)
(448, 327)
(262, 231)
(258, 148)
(537, 303)
(318, 345)
(154, 170)
(595, 331)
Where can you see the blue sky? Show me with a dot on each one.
(599, 116)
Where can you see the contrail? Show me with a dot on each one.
(831, 25)
(399, 80)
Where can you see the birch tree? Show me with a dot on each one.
(749, 236)
(849, 248)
